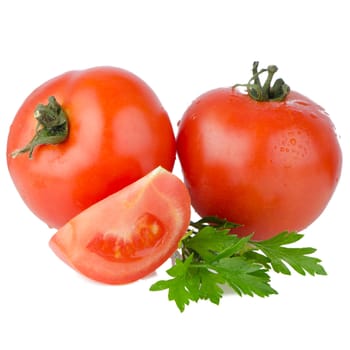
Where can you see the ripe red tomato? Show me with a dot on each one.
(129, 234)
(270, 166)
(117, 132)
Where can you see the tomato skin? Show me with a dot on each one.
(159, 194)
(270, 166)
(119, 131)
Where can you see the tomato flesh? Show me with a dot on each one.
(146, 233)
(130, 233)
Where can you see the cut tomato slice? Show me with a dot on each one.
(129, 234)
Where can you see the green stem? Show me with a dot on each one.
(277, 92)
(52, 127)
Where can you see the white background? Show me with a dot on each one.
(181, 49)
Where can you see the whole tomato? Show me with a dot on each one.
(84, 135)
(269, 160)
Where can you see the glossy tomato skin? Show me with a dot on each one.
(129, 234)
(119, 131)
(270, 166)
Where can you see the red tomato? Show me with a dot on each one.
(129, 234)
(118, 132)
(271, 166)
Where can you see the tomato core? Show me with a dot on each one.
(147, 233)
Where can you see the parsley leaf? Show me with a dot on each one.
(244, 276)
(211, 256)
(297, 258)
(209, 285)
(210, 241)
(178, 287)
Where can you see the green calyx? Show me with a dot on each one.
(265, 92)
(52, 127)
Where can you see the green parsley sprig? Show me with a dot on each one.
(210, 256)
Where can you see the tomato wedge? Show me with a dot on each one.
(129, 234)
